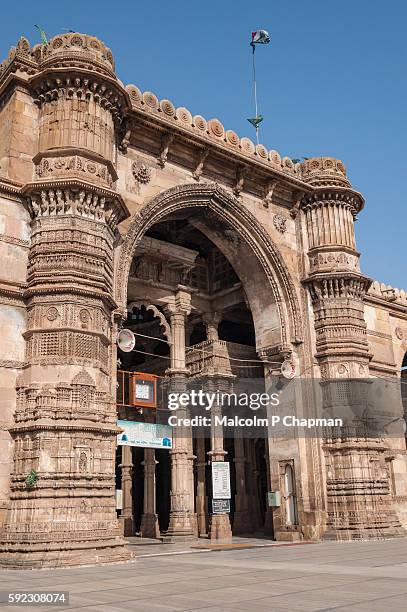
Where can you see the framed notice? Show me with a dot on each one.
(220, 506)
(221, 480)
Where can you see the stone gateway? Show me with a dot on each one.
(118, 210)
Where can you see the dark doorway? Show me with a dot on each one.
(163, 484)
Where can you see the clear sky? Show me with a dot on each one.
(333, 81)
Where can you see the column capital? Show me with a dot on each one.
(211, 321)
(180, 304)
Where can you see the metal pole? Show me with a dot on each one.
(255, 93)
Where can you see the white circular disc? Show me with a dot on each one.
(288, 369)
(126, 340)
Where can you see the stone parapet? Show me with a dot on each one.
(388, 293)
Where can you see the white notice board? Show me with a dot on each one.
(220, 480)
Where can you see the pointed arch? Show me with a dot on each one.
(221, 205)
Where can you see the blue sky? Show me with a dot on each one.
(332, 82)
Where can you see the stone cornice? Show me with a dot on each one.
(25, 244)
(58, 289)
(392, 307)
(9, 78)
(10, 189)
(52, 425)
(11, 293)
(389, 298)
(202, 140)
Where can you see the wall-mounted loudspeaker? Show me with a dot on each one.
(126, 340)
(288, 369)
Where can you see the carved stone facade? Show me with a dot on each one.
(112, 201)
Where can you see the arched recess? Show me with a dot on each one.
(243, 240)
(164, 325)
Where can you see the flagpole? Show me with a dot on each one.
(262, 37)
(255, 91)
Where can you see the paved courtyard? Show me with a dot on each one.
(356, 576)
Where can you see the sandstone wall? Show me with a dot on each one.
(14, 243)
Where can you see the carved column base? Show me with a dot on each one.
(62, 554)
(219, 529)
(181, 528)
(127, 525)
(149, 526)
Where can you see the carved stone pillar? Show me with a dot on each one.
(126, 517)
(201, 497)
(219, 525)
(182, 524)
(241, 518)
(65, 422)
(354, 463)
(149, 520)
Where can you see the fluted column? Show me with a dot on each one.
(183, 525)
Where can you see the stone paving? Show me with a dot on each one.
(356, 576)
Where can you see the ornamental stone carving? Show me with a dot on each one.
(141, 172)
(280, 223)
(52, 314)
(82, 167)
(95, 204)
(321, 171)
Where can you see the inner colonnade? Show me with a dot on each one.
(192, 322)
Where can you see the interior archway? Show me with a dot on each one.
(242, 301)
(242, 239)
